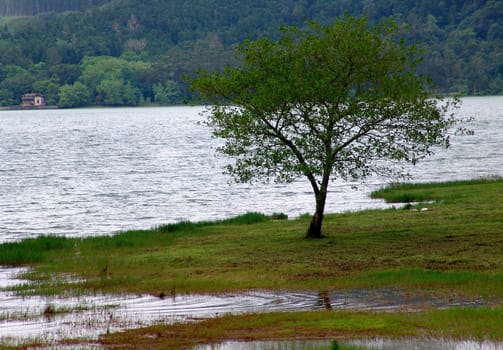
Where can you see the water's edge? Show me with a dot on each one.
(56, 318)
(374, 344)
(99, 171)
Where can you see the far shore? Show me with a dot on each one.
(26, 108)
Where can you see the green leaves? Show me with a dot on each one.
(75, 95)
(321, 96)
(336, 101)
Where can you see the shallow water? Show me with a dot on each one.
(374, 344)
(426, 344)
(27, 318)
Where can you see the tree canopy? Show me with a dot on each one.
(325, 102)
(462, 41)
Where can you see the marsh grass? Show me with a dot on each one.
(454, 248)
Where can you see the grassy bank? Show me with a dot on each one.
(453, 247)
(450, 247)
(458, 323)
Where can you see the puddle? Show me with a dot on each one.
(87, 317)
(374, 344)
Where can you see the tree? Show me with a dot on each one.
(17, 82)
(340, 101)
(111, 91)
(75, 95)
(113, 80)
(168, 93)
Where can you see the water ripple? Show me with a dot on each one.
(98, 171)
(55, 318)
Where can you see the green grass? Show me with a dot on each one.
(454, 247)
(245, 219)
(454, 323)
(444, 191)
(436, 279)
(32, 250)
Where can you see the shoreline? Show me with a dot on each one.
(26, 108)
(378, 258)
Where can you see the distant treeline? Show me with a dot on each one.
(33, 7)
(129, 52)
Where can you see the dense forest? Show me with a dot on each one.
(33, 7)
(132, 52)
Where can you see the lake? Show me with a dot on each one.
(97, 171)
(83, 172)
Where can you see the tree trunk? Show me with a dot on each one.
(314, 230)
(320, 194)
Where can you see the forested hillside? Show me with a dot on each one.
(130, 52)
(33, 7)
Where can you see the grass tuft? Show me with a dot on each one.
(245, 219)
(127, 239)
(31, 250)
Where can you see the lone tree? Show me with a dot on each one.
(326, 102)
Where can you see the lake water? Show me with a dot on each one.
(98, 171)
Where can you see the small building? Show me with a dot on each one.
(33, 100)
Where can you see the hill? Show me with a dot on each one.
(33, 7)
(129, 52)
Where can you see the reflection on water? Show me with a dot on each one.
(52, 318)
(370, 344)
(426, 344)
(272, 345)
